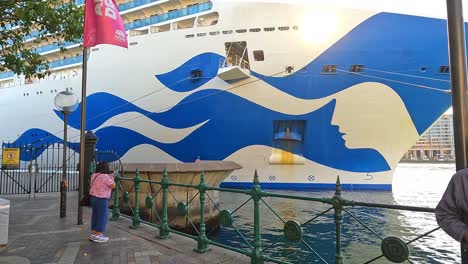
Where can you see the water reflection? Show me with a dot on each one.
(414, 184)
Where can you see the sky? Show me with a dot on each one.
(430, 8)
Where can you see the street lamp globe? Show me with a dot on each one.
(66, 102)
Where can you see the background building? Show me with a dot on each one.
(437, 143)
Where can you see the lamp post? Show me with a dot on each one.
(66, 102)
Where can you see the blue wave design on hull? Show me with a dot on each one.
(180, 79)
(29, 141)
(372, 44)
(100, 108)
(236, 123)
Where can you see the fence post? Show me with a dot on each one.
(83, 182)
(115, 208)
(90, 147)
(337, 202)
(136, 212)
(202, 245)
(164, 227)
(257, 257)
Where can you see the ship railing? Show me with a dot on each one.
(287, 232)
(233, 61)
(190, 10)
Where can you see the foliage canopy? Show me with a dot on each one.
(52, 20)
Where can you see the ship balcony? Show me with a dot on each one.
(194, 9)
(56, 65)
(233, 69)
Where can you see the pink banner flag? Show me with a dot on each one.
(103, 24)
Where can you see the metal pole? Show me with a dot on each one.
(457, 52)
(63, 184)
(82, 135)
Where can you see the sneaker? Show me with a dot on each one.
(92, 237)
(100, 239)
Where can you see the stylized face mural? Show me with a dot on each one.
(372, 115)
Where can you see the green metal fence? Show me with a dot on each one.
(392, 248)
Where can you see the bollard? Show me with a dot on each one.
(256, 257)
(337, 202)
(164, 227)
(202, 245)
(136, 213)
(115, 208)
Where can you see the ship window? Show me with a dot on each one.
(196, 75)
(94, 49)
(201, 34)
(296, 27)
(133, 43)
(283, 28)
(227, 32)
(258, 55)
(183, 24)
(329, 69)
(214, 33)
(162, 28)
(444, 69)
(269, 29)
(190, 36)
(210, 19)
(241, 30)
(423, 69)
(356, 68)
(255, 30)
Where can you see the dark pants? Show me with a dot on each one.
(100, 208)
(464, 255)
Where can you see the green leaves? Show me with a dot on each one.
(53, 20)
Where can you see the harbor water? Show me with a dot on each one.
(414, 185)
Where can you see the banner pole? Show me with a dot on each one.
(82, 135)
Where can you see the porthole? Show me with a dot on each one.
(444, 69)
(227, 32)
(214, 33)
(190, 36)
(296, 27)
(283, 28)
(356, 68)
(329, 69)
(423, 69)
(133, 43)
(241, 30)
(269, 29)
(258, 55)
(255, 30)
(201, 34)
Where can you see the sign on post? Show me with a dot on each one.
(10, 158)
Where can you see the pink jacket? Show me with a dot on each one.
(101, 185)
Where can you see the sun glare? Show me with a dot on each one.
(319, 25)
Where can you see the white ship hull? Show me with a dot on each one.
(162, 100)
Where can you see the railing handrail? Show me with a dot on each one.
(292, 229)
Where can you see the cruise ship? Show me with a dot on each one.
(302, 93)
